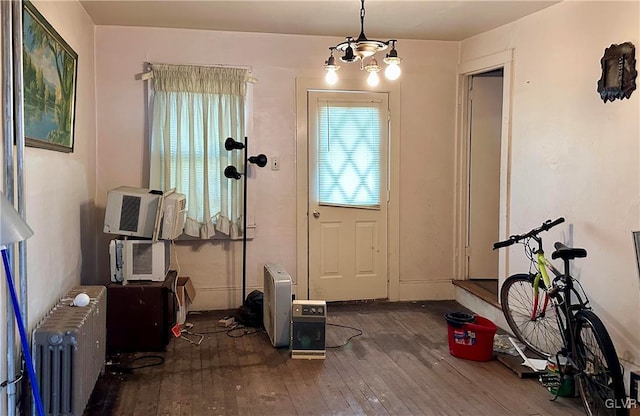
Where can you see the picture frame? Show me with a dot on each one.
(619, 72)
(50, 68)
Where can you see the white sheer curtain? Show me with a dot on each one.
(194, 110)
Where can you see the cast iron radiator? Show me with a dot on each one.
(69, 351)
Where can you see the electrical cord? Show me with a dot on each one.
(195, 334)
(175, 281)
(218, 331)
(247, 331)
(232, 330)
(348, 339)
(14, 381)
(175, 251)
(128, 369)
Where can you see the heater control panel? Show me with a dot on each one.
(309, 308)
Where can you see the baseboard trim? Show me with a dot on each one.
(223, 298)
(426, 290)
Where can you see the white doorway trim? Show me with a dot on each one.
(302, 192)
(465, 71)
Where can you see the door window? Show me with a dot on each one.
(348, 153)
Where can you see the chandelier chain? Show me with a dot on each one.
(362, 17)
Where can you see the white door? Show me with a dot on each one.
(485, 103)
(347, 217)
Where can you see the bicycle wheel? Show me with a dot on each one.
(532, 319)
(599, 375)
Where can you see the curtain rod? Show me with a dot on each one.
(148, 74)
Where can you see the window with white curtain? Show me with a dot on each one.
(194, 110)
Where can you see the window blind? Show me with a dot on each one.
(348, 153)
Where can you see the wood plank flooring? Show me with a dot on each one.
(400, 365)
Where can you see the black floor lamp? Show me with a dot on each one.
(232, 173)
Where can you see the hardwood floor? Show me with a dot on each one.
(400, 365)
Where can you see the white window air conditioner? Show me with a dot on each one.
(139, 260)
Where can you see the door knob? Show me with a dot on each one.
(316, 213)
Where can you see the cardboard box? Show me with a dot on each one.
(186, 294)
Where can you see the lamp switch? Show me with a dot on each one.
(275, 163)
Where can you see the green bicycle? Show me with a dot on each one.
(552, 317)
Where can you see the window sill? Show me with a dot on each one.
(251, 232)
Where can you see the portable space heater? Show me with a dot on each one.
(277, 304)
(308, 319)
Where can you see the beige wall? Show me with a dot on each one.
(427, 126)
(571, 154)
(426, 174)
(60, 189)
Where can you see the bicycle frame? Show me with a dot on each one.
(564, 309)
(543, 263)
(559, 295)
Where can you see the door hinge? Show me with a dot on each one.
(467, 251)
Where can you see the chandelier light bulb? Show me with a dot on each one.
(331, 77)
(373, 80)
(392, 71)
(373, 69)
(331, 68)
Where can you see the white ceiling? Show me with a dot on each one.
(384, 19)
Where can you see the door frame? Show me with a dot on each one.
(303, 85)
(461, 198)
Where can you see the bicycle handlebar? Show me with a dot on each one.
(547, 225)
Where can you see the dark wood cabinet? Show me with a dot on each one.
(140, 315)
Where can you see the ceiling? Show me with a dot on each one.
(384, 19)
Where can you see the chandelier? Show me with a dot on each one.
(361, 48)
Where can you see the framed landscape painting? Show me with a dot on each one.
(49, 73)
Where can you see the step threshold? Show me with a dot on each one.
(479, 291)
